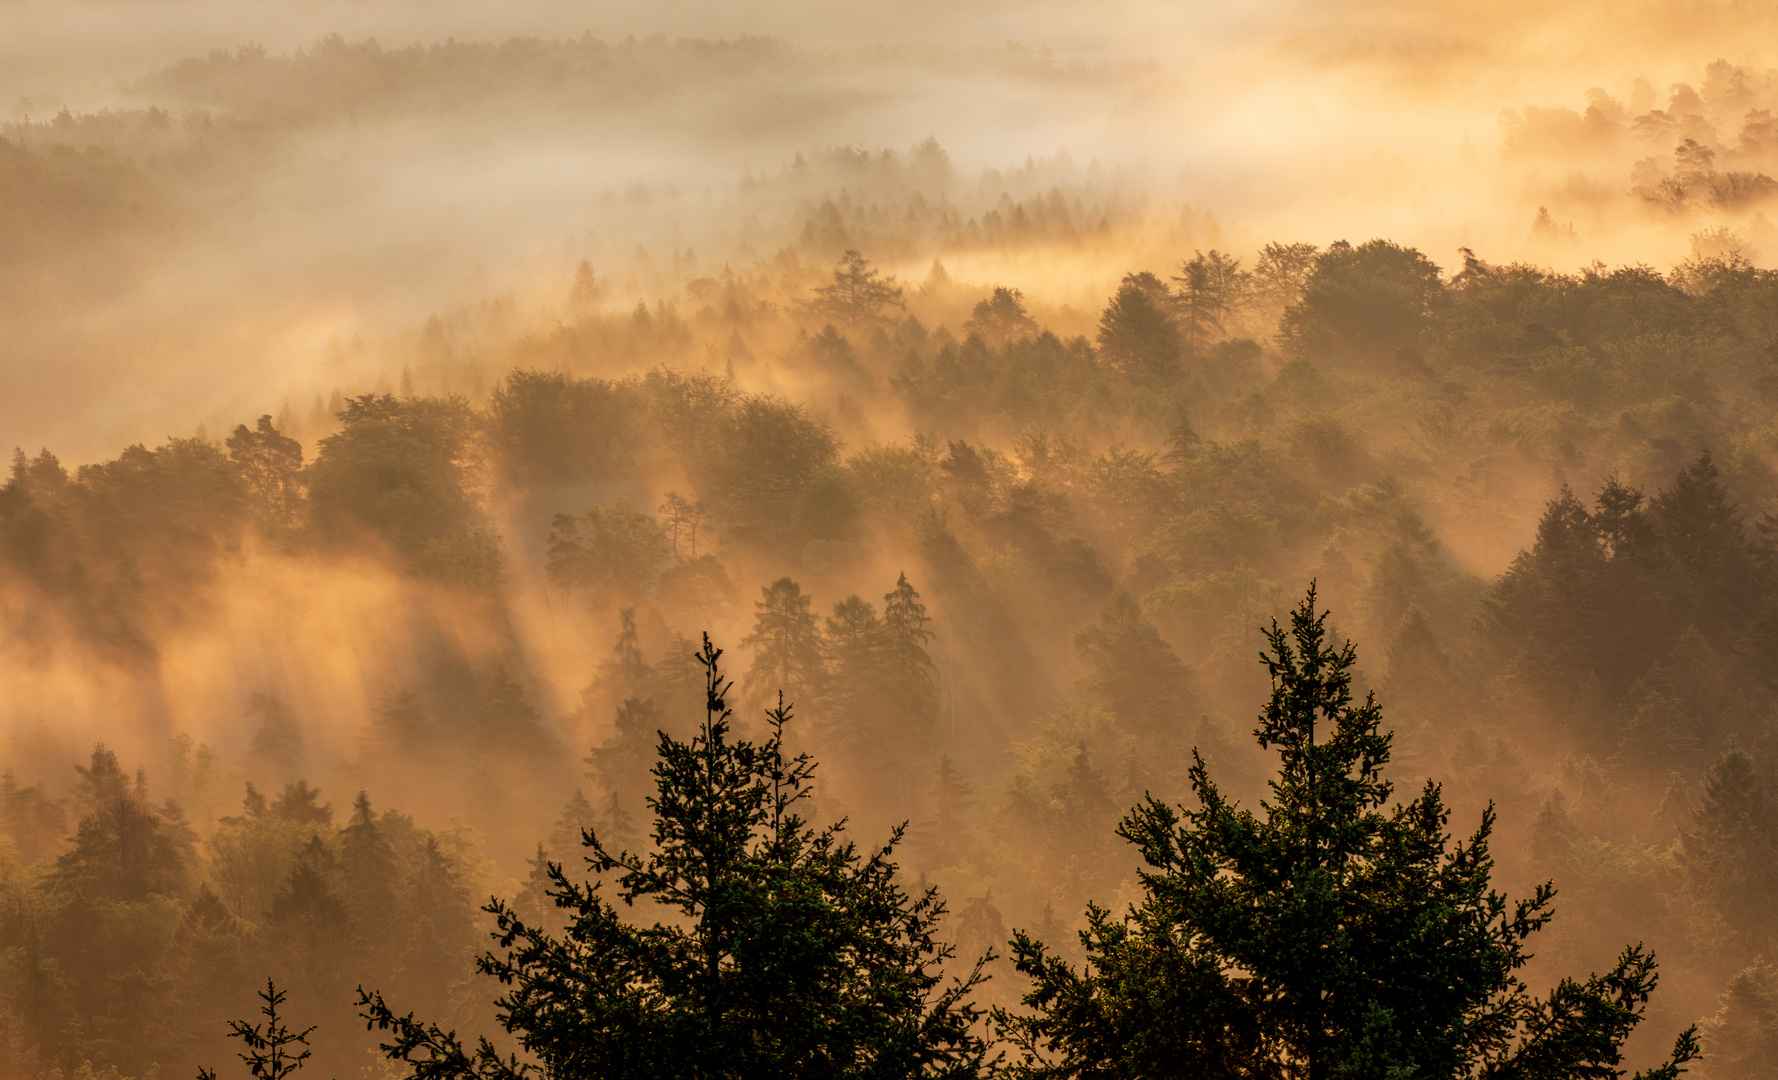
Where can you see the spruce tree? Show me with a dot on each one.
(782, 950)
(272, 1049)
(368, 876)
(1331, 933)
(786, 645)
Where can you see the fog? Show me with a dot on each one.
(357, 208)
(526, 283)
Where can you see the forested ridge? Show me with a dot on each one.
(1030, 620)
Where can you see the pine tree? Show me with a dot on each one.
(859, 295)
(440, 923)
(620, 764)
(1732, 848)
(271, 1052)
(400, 732)
(1331, 934)
(1137, 336)
(278, 740)
(904, 659)
(1132, 672)
(368, 876)
(788, 951)
(533, 904)
(786, 646)
(509, 725)
(1211, 289)
(944, 838)
(1743, 1035)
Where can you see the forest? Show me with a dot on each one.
(593, 556)
(1045, 635)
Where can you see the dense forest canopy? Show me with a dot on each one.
(558, 537)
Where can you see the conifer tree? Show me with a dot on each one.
(620, 764)
(1132, 671)
(576, 817)
(786, 950)
(368, 876)
(509, 724)
(440, 925)
(1137, 335)
(786, 645)
(859, 295)
(272, 1049)
(533, 903)
(945, 838)
(1732, 848)
(905, 658)
(279, 738)
(1329, 934)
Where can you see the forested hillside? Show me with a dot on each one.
(1251, 552)
(1007, 629)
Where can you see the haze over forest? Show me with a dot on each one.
(399, 392)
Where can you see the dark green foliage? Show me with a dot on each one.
(306, 915)
(1079, 520)
(789, 952)
(152, 523)
(368, 874)
(125, 849)
(881, 702)
(509, 725)
(763, 458)
(437, 933)
(1332, 934)
(1653, 598)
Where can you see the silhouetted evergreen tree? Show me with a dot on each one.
(272, 1049)
(1329, 935)
(789, 952)
(439, 924)
(621, 763)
